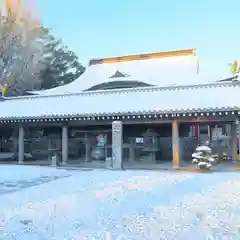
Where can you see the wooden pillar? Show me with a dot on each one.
(86, 142)
(216, 132)
(234, 141)
(238, 138)
(64, 144)
(175, 144)
(21, 144)
(131, 151)
(15, 142)
(209, 133)
(49, 150)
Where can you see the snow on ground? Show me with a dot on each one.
(117, 205)
(15, 178)
(16, 173)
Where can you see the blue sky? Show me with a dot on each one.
(103, 28)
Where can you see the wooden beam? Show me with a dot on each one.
(133, 57)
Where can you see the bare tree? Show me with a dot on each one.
(21, 50)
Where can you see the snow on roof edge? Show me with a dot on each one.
(153, 88)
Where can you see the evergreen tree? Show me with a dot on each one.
(62, 65)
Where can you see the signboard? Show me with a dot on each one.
(117, 128)
(117, 144)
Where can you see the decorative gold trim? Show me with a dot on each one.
(175, 53)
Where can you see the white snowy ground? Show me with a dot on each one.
(55, 204)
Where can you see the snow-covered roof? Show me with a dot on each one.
(191, 98)
(160, 69)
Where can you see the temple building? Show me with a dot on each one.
(165, 106)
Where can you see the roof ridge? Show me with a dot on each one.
(126, 90)
(144, 56)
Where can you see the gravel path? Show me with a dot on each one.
(126, 205)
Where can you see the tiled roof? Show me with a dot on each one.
(155, 71)
(217, 96)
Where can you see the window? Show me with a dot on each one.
(203, 129)
(118, 85)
